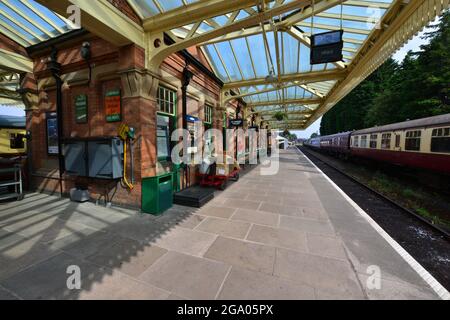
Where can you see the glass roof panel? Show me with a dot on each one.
(227, 56)
(216, 63)
(243, 57)
(290, 52)
(28, 23)
(258, 53)
(149, 8)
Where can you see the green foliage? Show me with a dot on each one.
(414, 89)
(279, 115)
(314, 135)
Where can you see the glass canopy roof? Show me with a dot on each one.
(27, 22)
(262, 63)
(264, 50)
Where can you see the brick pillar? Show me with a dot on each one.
(140, 106)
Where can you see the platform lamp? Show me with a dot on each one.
(55, 68)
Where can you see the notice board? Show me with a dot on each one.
(81, 108)
(113, 105)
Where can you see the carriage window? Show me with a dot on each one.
(355, 144)
(440, 140)
(363, 141)
(412, 141)
(373, 141)
(16, 141)
(386, 141)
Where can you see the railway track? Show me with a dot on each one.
(426, 242)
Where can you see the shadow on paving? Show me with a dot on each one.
(43, 235)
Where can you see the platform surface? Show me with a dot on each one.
(287, 236)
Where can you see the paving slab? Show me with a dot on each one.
(243, 284)
(254, 216)
(215, 211)
(186, 241)
(48, 279)
(223, 227)
(317, 271)
(242, 254)
(187, 276)
(307, 225)
(295, 240)
(325, 246)
(117, 286)
(128, 256)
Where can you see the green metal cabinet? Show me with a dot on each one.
(157, 193)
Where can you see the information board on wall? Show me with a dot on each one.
(113, 105)
(52, 133)
(81, 103)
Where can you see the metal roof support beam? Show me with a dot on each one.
(194, 12)
(285, 86)
(160, 50)
(286, 102)
(301, 78)
(15, 62)
(319, 6)
(103, 19)
(9, 94)
(268, 113)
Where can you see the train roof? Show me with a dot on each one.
(424, 122)
(340, 134)
(12, 122)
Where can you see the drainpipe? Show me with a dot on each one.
(55, 69)
(187, 76)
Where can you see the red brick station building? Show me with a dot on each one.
(104, 88)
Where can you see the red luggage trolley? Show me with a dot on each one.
(217, 180)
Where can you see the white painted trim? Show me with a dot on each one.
(422, 272)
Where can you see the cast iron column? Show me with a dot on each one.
(55, 69)
(187, 76)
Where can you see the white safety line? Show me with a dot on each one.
(423, 273)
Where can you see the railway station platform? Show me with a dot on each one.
(292, 235)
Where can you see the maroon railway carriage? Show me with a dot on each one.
(337, 143)
(422, 143)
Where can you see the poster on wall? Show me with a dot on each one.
(81, 108)
(52, 133)
(113, 105)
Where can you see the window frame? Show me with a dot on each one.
(440, 134)
(363, 138)
(373, 139)
(208, 110)
(411, 135)
(386, 137)
(161, 102)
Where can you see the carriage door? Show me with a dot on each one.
(397, 141)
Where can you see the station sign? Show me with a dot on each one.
(327, 47)
(81, 104)
(236, 122)
(113, 105)
(190, 118)
(52, 133)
